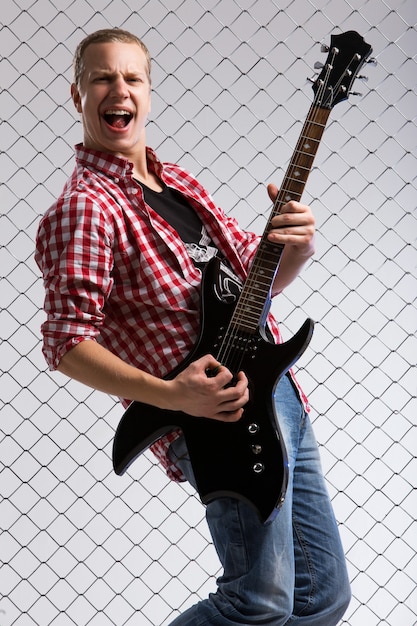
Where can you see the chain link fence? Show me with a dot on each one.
(80, 545)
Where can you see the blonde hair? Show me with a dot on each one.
(106, 35)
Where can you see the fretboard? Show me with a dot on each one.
(254, 300)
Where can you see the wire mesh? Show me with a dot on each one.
(80, 545)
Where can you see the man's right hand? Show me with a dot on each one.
(203, 389)
(197, 392)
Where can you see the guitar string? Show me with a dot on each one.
(236, 343)
(231, 354)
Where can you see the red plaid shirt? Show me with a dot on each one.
(114, 271)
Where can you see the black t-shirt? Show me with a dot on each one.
(175, 209)
(178, 212)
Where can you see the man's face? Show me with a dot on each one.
(114, 98)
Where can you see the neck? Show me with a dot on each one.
(141, 171)
(149, 179)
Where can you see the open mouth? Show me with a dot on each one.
(118, 118)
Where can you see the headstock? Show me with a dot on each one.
(347, 53)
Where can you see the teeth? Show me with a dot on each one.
(117, 112)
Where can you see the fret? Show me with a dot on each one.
(260, 285)
(285, 193)
(306, 143)
(299, 172)
(295, 181)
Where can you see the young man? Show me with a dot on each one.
(121, 253)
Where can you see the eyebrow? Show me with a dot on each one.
(108, 72)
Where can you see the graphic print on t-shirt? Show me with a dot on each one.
(229, 285)
(202, 251)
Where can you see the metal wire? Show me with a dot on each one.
(80, 545)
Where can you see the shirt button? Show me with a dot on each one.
(134, 191)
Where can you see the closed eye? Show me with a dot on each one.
(134, 79)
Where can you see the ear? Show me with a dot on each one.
(76, 98)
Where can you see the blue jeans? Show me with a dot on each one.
(291, 571)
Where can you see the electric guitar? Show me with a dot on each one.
(247, 459)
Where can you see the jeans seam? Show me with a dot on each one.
(313, 579)
(236, 505)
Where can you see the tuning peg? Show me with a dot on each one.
(324, 48)
(318, 65)
(372, 61)
(355, 93)
(363, 77)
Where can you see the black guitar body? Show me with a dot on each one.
(245, 459)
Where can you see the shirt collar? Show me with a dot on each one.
(113, 165)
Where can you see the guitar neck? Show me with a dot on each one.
(302, 160)
(254, 300)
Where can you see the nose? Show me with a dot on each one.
(119, 86)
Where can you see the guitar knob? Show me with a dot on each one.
(256, 448)
(253, 428)
(258, 468)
